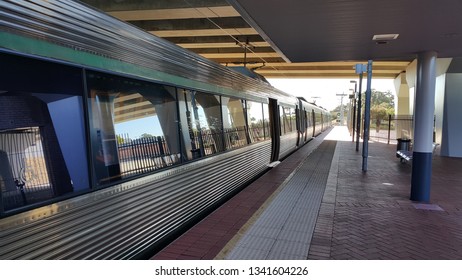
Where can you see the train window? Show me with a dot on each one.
(309, 119)
(234, 127)
(288, 121)
(293, 119)
(201, 126)
(318, 118)
(133, 127)
(307, 124)
(256, 121)
(266, 121)
(281, 120)
(42, 132)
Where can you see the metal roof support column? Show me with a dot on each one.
(423, 126)
(367, 116)
(359, 69)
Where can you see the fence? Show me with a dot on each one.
(23, 170)
(390, 128)
(143, 154)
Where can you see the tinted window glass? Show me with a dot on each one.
(256, 121)
(281, 120)
(43, 151)
(133, 127)
(293, 119)
(266, 121)
(201, 126)
(309, 119)
(286, 120)
(318, 118)
(234, 123)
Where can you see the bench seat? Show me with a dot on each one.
(406, 156)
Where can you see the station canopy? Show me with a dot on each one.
(301, 39)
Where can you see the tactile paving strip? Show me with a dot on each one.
(285, 228)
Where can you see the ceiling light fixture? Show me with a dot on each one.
(381, 39)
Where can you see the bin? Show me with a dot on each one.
(403, 144)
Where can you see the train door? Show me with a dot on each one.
(305, 123)
(275, 129)
(313, 118)
(299, 126)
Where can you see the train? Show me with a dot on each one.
(113, 141)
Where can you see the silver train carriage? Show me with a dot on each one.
(112, 140)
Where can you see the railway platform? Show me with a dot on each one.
(318, 204)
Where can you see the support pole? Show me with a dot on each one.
(423, 126)
(389, 128)
(353, 123)
(358, 116)
(367, 116)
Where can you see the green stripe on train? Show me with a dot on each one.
(45, 49)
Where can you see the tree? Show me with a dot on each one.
(382, 105)
(335, 113)
(379, 97)
(146, 135)
(337, 109)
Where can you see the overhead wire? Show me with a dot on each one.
(238, 42)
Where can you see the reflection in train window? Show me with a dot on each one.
(285, 123)
(234, 127)
(294, 118)
(23, 169)
(288, 119)
(318, 118)
(42, 134)
(266, 121)
(281, 120)
(309, 119)
(133, 127)
(256, 121)
(201, 127)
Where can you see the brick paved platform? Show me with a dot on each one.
(369, 215)
(284, 229)
(361, 216)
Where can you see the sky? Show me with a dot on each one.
(324, 91)
(135, 128)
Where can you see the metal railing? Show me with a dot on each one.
(144, 154)
(391, 128)
(23, 169)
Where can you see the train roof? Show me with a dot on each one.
(78, 34)
(310, 104)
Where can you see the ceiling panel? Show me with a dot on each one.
(331, 30)
(263, 34)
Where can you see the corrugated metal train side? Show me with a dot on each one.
(125, 219)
